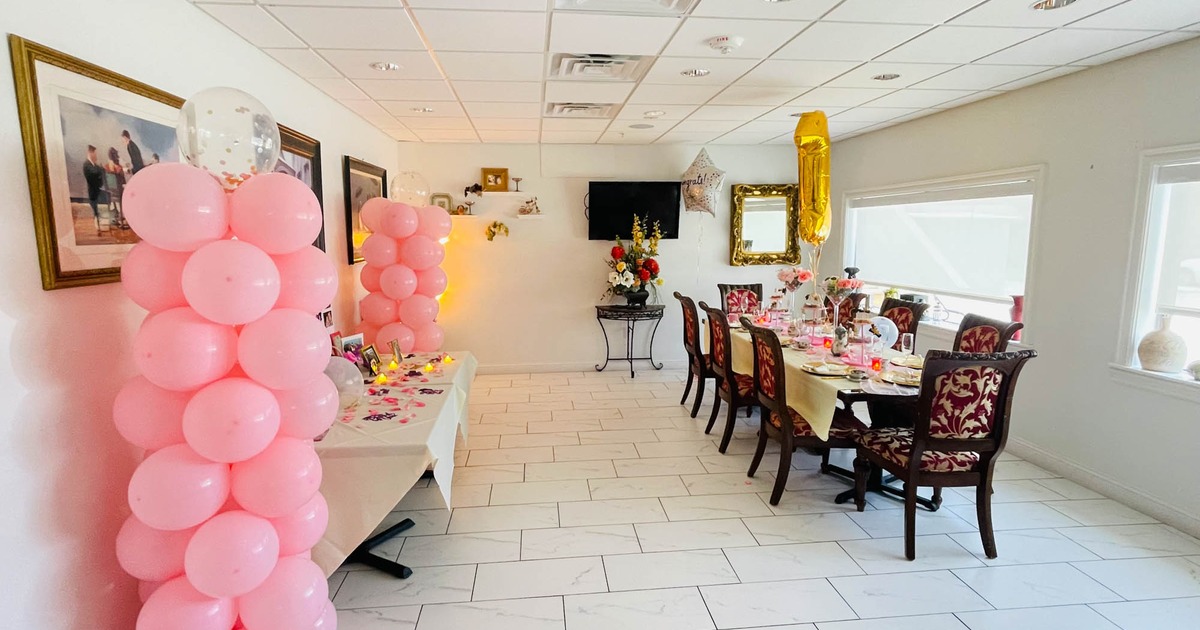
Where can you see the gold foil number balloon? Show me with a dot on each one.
(228, 133)
(812, 154)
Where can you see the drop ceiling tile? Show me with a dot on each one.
(848, 42)
(1064, 46)
(508, 135)
(770, 127)
(669, 112)
(323, 3)
(1018, 13)
(975, 96)
(837, 127)
(841, 97)
(741, 95)
(1194, 27)
(729, 112)
(786, 112)
(1156, 15)
(787, 138)
(959, 44)
(744, 137)
(504, 110)
(495, 5)
(980, 77)
(787, 73)
(368, 108)
(686, 137)
(910, 73)
(484, 31)
(591, 33)
(506, 124)
(499, 91)
(570, 137)
(575, 124)
(441, 109)
(721, 71)
(707, 126)
(793, 10)
(1053, 73)
(355, 29)
(900, 11)
(254, 24)
(492, 67)
(356, 64)
(383, 122)
(919, 98)
(402, 135)
(638, 127)
(304, 62)
(872, 114)
(393, 90)
(447, 135)
(340, 89)
(629, 137)
(420, 123)
(1158, 41)
(674, 94)
(587, 92)
(760, 37)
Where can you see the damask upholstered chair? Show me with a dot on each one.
(851, 304)
(960, 430)
(741, 298)
(905, 315)
(699, 368)
(737, 390)
(782, 423)
(977, 333)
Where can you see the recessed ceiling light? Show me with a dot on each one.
(887, 76)
(654, 113)
(1050, 5)
(695, 72)
(422, 110)
(385, 66)
(641, 126)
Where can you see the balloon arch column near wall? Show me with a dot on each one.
(226, 505)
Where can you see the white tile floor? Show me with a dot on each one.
(592, 501)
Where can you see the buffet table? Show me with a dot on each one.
(374, 453)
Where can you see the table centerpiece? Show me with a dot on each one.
(634, 271)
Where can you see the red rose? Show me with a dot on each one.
(652, 265)
(618, 252)
(644, 274)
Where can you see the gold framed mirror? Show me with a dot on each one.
(764, 225)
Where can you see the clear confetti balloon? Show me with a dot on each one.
(410, 187)
(228, 133)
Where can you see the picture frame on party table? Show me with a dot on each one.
(335, 343)
(352, 346)
(362, 181)
(371, 360)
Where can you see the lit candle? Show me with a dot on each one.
(428, 367)
(381, 379)
(448, 359)
(394, 364)
(828, 343)
(877, 363)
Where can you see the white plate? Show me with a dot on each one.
(901, 378)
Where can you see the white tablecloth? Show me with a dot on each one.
(375, 453)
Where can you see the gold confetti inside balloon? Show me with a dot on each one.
(228, 133)
(812, 155)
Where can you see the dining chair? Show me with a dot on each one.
(737, 390)
(741, 298)
(699, 364)
(782, 423)
(977, 333)
(960, 430)
(905, 315)
(850, 305)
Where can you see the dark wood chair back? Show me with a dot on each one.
(691, 332)
(768, 369)
(850, 305)
(905, 315)
(721, 352)
(977, 333)
(741, 298)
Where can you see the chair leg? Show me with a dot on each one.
(824, 460)
(699, 394)
(687, 389)
(937, 497)
(910, 520)
(785, 466)
(983, 510)
(762, 448)
(862, 469)
(712, 418)
(727, 434)
(749, 411)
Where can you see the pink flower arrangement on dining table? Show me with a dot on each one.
(836, 287)
(793, 277)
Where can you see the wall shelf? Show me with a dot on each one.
(530, 216)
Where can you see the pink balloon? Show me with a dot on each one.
(278, 481)
(177, 605)
(369, 277)
(369, 332)
(149, 416)
(429, 338)
(307, 411)
(284, 349)
(300, 530)
(175, 488)
(398, 282)
(275, 211)
(421, 252)
(308, 280)
(328, 620)
(179, 350)
(378, 309)
(176, 207)
(146, 589)
(418, 310)
(434, 222)
(380, 250)
(399, 332)
(293, 597)
(431, 282)
(231, 420)
(148, 554)
(372, 212)
(153, 277)
(231, 282)
(232, 554)
(399, 221)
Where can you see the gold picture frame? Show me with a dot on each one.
(494, 179)
(740, 253)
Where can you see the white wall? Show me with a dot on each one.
(1088, 129)
(64, 354)
(526, 302)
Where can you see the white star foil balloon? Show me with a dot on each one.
(701, 185)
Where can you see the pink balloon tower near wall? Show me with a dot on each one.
(230, 394)
(402, 274)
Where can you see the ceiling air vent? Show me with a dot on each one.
(639, 7)
(597, 67)
(580, 110)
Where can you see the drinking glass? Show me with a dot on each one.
(906, 343)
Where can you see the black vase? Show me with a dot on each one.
(637, 299)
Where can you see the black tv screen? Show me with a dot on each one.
(612, 206)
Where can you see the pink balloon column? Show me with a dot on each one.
(402, 274)
(231, 393)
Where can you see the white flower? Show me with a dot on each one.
(627, 279)
(614, 278)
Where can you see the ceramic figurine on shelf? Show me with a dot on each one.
(464, 208)
(473, 189)
(530, 207)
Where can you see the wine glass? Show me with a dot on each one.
(907, 343)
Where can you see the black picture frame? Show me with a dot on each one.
(294, 142)
(355, 175)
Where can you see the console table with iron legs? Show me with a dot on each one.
(631, 315)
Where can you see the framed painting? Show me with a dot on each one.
(300, 157)
(363, 181)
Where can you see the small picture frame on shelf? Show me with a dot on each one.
(442, 200)
(371, 361)
(494, 179)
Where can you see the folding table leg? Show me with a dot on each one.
(362, 554)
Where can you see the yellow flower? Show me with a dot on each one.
(621, 265)
(658, 281)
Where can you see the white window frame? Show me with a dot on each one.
(1036, 174)
(1141, 280)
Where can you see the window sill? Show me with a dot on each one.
(1179, 385)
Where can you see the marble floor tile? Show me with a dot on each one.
(426, 551)
(1018, 469)
(1160, 614)
(808, 502)
(1018, 516)
(628, 436)
(1146, 578)
(431, 585)
(636, 487)
(669, 569)
(425, 522)
(792, 562)
(727, 483)
(774, 603)
(540, 578)
(799, 480)
(563, 471)
(684, 535)
(714, 506)
(568, 542)
(903, 594)
(479, 442)
(665, 609)
(803, 528)
(429, 498)
(1069, 489)
(539, 492)
(1026, 546)
(918, 622)
(497, 429)
(514, 418)
(1035, 585)
(503, 517)
(585, 414)
(611, 512)
(335, 582)
(735, 464)
(392, 618)
(676, 449)
(1013, 491)
(680, 435)
(658, 466)
(890, 523)
(594, 451)
(1051, 618)
(523, 440)
(886, 555)
(545, 613)
(1133, 541)
(556, 405)
(1100, 512)
(643, 421)
(492, 457)
(483, 475)
(467, 496)
(563, 426)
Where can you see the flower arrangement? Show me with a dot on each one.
(633, 265)
(837, 288)
(793, 278)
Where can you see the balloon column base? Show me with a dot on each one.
(363, 555)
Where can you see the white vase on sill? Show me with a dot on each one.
(1162, 350)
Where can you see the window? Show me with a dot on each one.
(962, 242)
(1168, 267)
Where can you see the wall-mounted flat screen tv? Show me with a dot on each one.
(612, 206)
